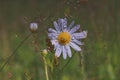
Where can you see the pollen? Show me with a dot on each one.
(64, 38)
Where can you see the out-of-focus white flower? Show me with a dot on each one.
(33, 27)
(63, 37)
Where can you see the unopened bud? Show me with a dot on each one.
(44, 52)
(33, 27)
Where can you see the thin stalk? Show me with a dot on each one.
(14, 52)
(66, 63)
(46, 70)
(36, 48)
(82, 66)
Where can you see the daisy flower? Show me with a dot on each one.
(65, 37)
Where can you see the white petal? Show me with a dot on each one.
(71, 24)
(54, 42)
(77, 42)
(52, 35)
(57, 27)
(62, 23)
(74, 29)
(64, 52)
(52, 30)
(75, 47)
(68, 50)
(58, 51)
(80, 35)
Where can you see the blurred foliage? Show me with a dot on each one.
(101, 50)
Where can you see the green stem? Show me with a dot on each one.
(82, 66)
(46, 70)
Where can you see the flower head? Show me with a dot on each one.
(64, 37)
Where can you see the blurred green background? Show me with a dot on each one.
(101, 50)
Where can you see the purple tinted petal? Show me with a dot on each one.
(64, 52)
(70, 26)
(54, 42)
(57, 27)
(74, 29)
(58, 51)
(77, 42)
(80, 35)
(68, 50)
(62, 23)
(75, 47)
(52, 30)
(52, 35)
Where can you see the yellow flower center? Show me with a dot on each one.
(64, 38)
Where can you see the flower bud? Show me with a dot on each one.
(44, 52)
(33, 27)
